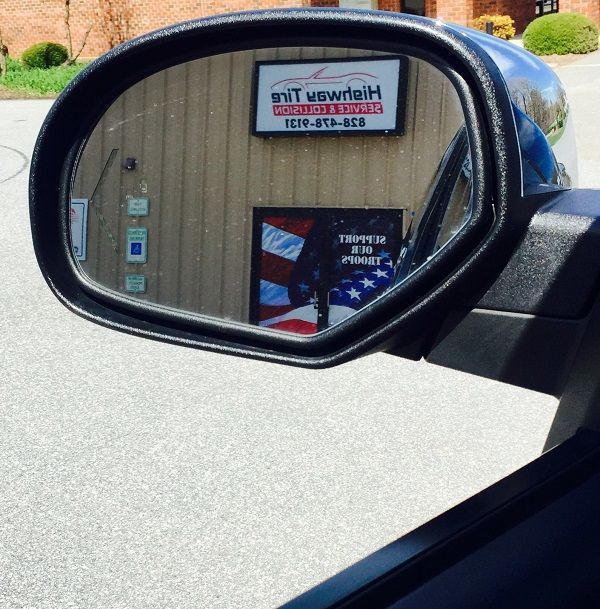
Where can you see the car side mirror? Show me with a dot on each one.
(297, 186)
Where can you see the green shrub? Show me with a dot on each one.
(560, 34)
(504, 25)
(14, 65)
(45, 55)
(36, 81)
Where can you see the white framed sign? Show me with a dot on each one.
(79, 216)
(363, 95)
(137, 246)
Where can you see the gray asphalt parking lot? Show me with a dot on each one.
(582, 82)
(137, 475)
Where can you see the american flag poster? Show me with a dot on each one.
(313, 268)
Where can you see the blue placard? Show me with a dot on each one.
(137, 245)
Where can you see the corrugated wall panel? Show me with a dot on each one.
(204, 173)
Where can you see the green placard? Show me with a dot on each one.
(138, 206)
(135, 284)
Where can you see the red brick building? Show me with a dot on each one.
(25, 22)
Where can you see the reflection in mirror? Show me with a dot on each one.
(284, 188)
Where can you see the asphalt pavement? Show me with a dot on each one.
(582, 82)
(140, 475)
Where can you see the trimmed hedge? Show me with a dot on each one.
(504, 25)
(560, 34)
(45, 55)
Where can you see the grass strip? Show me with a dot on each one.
(38, 82)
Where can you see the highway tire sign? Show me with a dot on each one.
(358, 96)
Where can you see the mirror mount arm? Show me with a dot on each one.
(538, 325)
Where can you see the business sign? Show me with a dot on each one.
(79, 215)
(313, 268)
(330, 96)
(137, 245)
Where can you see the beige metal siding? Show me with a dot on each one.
(189, 129)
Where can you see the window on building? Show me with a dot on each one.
(543, 7)
(414, 7)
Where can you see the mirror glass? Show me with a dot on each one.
(283, 188)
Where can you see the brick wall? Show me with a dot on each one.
(25, 22)
(389, 5)
(464, 11)
(431, 8)
(590, 8)
(522, 12)
(455, 11)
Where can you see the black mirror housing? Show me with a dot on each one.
(454, 278)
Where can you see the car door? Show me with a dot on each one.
(487, 274)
